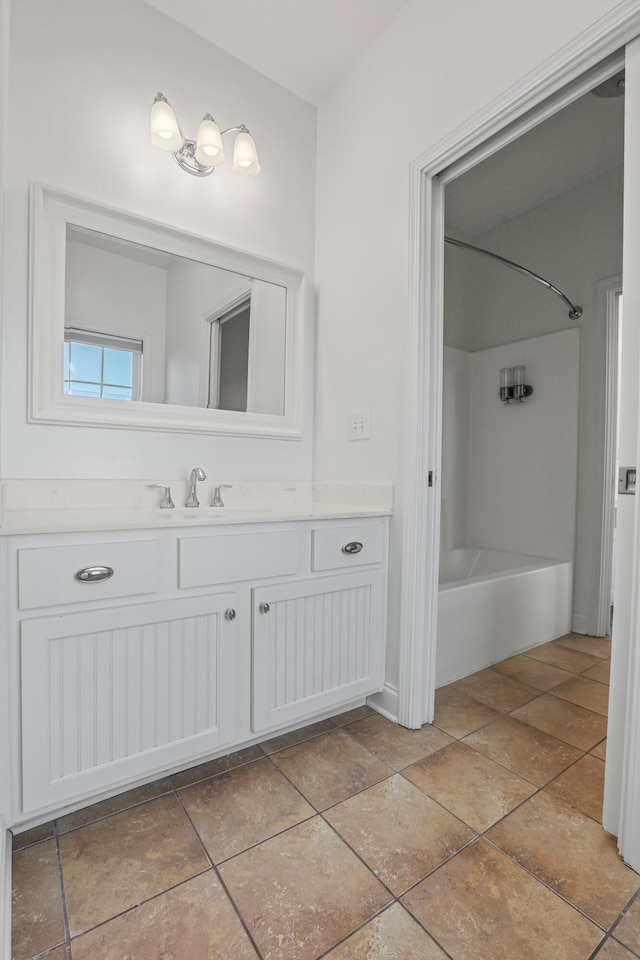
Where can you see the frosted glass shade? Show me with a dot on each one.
(165, 132)
(245, 155)
(209, 149)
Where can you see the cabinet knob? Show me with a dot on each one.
(354, 546)
(264, 608)
(94, 574)
(230, 614)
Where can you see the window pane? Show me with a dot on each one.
(86, 362)
(117, 367)
(116, 393)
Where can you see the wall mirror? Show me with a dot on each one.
(134, 324)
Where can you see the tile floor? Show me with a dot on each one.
(476, 838)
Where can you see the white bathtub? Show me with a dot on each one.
(493, 604)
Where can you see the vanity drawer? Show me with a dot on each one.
(230, 558)
(48, 576)
(333, 547)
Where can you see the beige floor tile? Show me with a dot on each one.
(586, 693)
(113, 805)
(566, 721)
(302, 892)
(600, 750)
(469, 785)
(194, 921)
(44, 832)
(582, 786)
(562, 657)
(534, 673)
(59, 954)
(394, 935)
(358, 713)
(501, 693)
(113, 864)
(612, 950)
(330, 768)
(297, 736)
(243, 807)
(628, 930)
(38, 923)
(458, 714)
(398, 831)
(397, 745)
(529, 752)
(482, 906)
(594, 646)
(571, 853)
(601, 672)
(213, 767)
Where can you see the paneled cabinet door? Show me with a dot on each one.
(112, 694)
(316, 644)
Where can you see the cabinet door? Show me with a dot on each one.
(129, 691)
(316, 644)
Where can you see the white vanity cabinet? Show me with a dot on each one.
(139, 652)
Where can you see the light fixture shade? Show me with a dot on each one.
(165, 131)
(209, 148)
(245, 155)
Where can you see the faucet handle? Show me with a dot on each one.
(217, 499)
(166, 503)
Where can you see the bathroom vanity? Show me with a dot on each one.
(176, 636)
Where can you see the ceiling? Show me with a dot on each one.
(304, 45)
(575, 145)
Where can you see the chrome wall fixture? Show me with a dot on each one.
(512, 384)
(575, 312)
(201, 156)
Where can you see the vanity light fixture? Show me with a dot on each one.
(201, 156)
(512, 384)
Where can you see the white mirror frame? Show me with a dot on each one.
(50, 212)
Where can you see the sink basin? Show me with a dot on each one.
(215, 513)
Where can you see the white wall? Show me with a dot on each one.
(437, 65)
(82, 78)
(509, 470)
(522, 460)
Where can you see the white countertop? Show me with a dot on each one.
(41, 506)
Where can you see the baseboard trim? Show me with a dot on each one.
(5, 892)
(386, 702)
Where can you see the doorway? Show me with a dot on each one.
(559, 81)
(522, 483)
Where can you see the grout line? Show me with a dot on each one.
(63, 893)
(223, 885)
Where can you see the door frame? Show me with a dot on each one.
(606, 299)
(590, 58)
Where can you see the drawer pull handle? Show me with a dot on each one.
(230, 614)
(94, 574)
(354, 546)
(264, 608)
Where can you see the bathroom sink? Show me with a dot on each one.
(215, 513)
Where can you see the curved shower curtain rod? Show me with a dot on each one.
(575, 312)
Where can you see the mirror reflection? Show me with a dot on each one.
(145, 325)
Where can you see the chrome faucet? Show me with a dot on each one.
(196, 474)
(217, 499)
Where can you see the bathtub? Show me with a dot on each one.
(493, 604)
